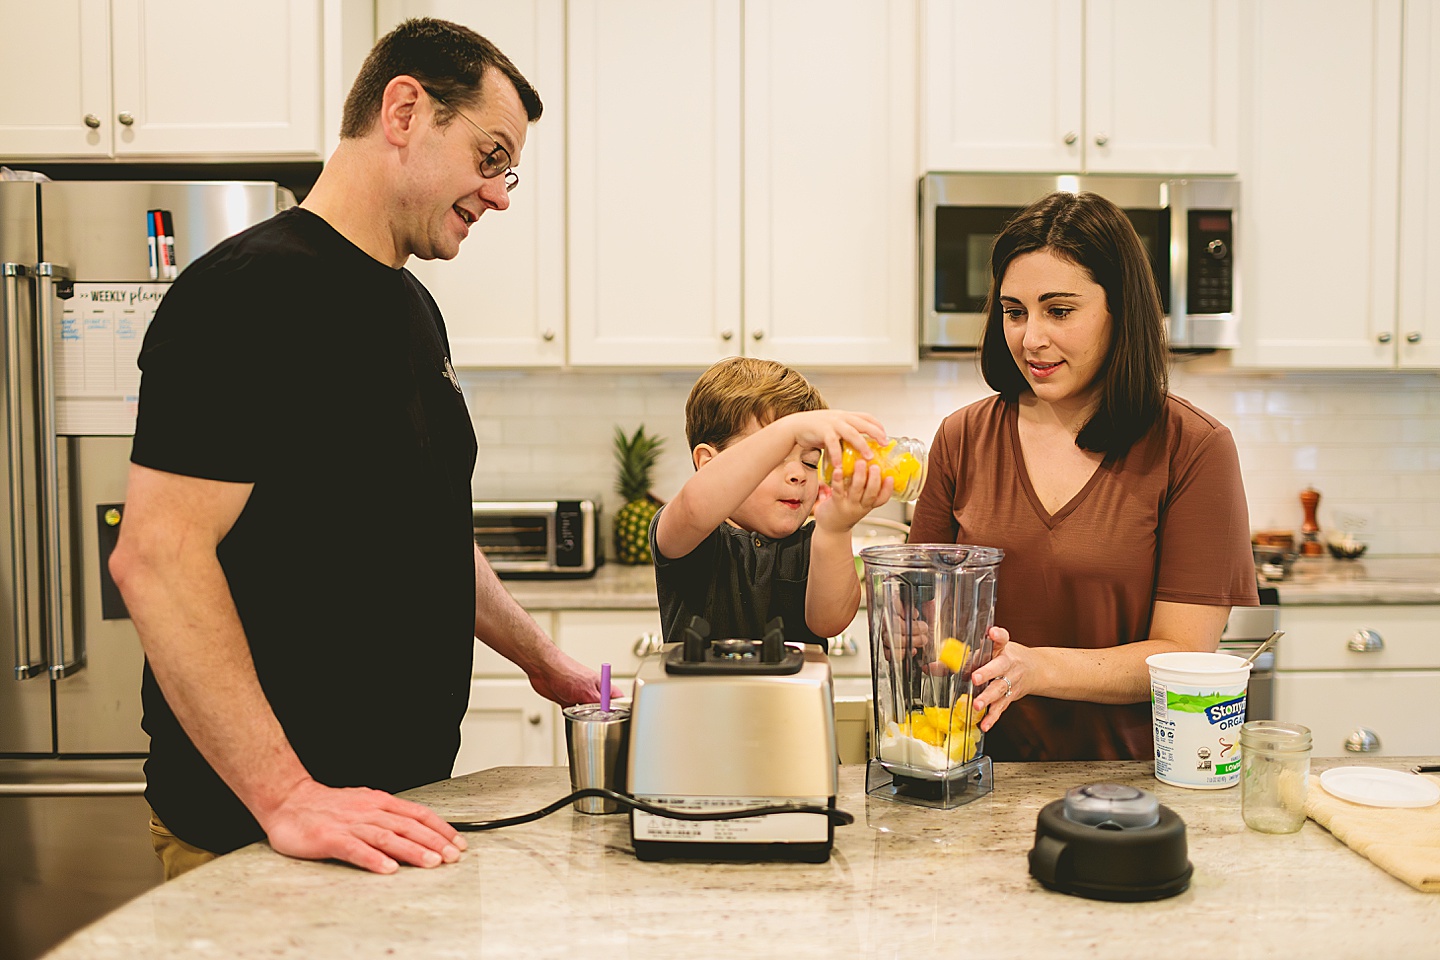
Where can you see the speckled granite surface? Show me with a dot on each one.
(1363, 581)
(613, 587)
(1311, 581)
(903, 882)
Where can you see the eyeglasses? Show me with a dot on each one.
(494, 163)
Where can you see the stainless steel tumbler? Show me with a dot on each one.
(597, 743)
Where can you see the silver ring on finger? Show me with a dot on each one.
(1008, 685)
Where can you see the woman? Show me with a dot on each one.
(1119, 507)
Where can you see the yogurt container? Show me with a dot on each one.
(1197, 703)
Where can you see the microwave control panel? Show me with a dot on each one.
(1209, 282)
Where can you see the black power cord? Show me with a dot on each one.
(838, 817)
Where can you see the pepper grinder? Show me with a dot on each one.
(1310, 545)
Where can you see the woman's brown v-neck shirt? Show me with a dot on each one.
(1167, 521)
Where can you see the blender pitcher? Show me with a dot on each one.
(931, 607)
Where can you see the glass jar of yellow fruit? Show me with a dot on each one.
(902, 459)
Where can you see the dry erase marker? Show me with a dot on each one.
(170, 243)
(159, 242)
(151, 239)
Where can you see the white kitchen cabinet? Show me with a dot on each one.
(744, 187)
(621, 638)
(1417, 331)
(161, 79)
(1081, 86)
(1364, 679)
(1319, 218)
(850, 651)
(654, 162)
(830, 117)
(506, 722)
(503, 296)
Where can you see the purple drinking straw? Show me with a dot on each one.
(605, 687)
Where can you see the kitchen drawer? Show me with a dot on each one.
(1396, 706)
(621, 638)
(488, 663)
(1318, 638)
(850, 651)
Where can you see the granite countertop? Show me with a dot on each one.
(613, 587)
(902, 881)
(1311, 581)
(1323, 580)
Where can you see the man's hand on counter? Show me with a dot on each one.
(368, 828)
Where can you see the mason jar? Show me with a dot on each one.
(902, 459)
(1274, 775)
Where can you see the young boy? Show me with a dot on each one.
(733, 546)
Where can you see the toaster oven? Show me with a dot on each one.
(553, 539)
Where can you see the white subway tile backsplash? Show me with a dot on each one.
(1369, 442)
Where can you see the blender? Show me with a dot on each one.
(930, 607)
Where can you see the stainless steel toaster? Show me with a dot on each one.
(729, 725)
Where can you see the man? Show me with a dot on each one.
(297, 551)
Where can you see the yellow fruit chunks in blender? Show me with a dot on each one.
(949, 727)
(953, 654)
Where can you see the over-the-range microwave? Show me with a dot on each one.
(1187, 224)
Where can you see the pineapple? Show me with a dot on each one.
(636, 456)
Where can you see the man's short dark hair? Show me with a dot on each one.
(449, 61)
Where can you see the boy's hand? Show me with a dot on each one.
(844, 503)
(826, 429)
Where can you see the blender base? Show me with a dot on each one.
(942, 791)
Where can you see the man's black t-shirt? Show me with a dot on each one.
(289, 359)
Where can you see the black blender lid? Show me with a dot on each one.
(1108, 859)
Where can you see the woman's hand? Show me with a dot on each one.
(1004, 677)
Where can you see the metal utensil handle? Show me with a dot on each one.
(1254, 654)
(11, 274)
(60, 665)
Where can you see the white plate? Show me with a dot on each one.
(1378, 787)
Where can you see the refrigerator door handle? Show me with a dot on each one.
(12, 275)
(78, 789)
(63, 661)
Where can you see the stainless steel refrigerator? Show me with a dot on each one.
(77, 296)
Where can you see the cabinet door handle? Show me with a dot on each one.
(1362, 740)
(647, 644)
(548, 335)
(92, 121)
(758, 335)
(126, 118)
(1412, 337)
(1382, 337)
(1366, 641)
(1101, 140)
(726, 334)
(534, 719)
(1070, 138)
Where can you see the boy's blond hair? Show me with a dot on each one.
(738, 389)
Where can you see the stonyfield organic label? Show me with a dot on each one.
(1197, 734)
